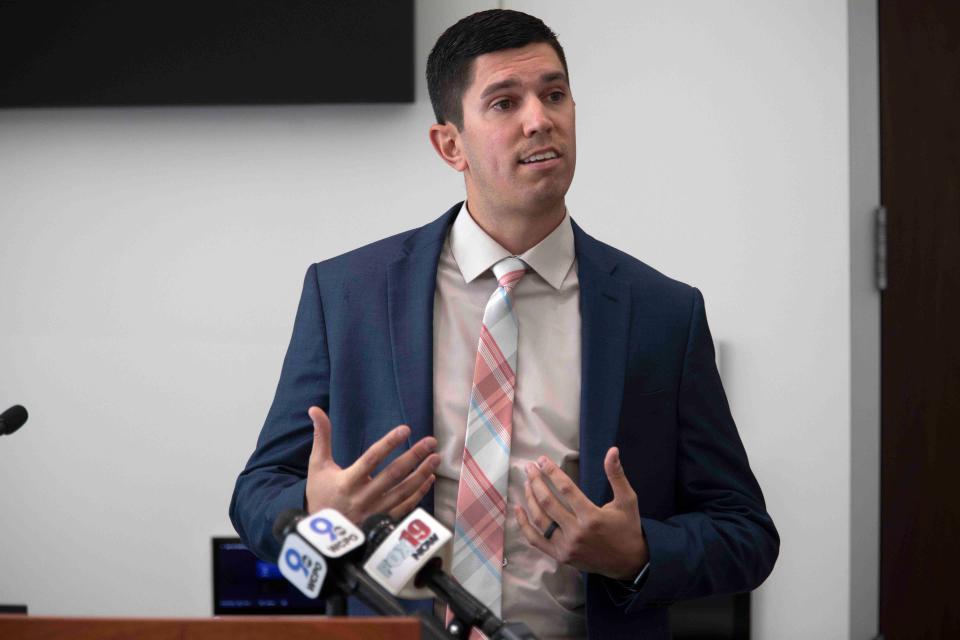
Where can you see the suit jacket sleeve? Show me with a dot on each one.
(274, 479)
(722, 540)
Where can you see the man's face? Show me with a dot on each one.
(518, 139)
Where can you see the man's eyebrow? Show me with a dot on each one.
(510, 83)
(556, 76)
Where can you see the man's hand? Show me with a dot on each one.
(606, 540)
(396, 490)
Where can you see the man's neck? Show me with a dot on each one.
(517, 232)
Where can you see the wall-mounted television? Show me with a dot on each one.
(205, 52)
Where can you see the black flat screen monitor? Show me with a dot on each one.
(205, 52)
(245, 585)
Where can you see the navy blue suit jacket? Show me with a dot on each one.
(362, 349)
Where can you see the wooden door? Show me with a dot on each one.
(920, 350)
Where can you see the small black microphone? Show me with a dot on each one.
(12, 419)
(468, 612)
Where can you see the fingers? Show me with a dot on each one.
(401, 510)
(320, 452)
(566, 487)
(373, 456)
(538, 517)
(532, 534)
(399, 492)
(542, 503)
(623, 493)
(397, 471)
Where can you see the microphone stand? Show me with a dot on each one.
(336, 605)
(467, 612)
(354, 581)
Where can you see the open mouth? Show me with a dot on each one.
(540, 157)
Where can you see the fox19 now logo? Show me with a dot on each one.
(410, 546)
(416, 539)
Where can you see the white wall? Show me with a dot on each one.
(152, 261)
(713, 144)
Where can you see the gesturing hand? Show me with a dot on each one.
(352, 491)
(606, 540)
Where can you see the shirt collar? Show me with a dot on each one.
(475, 251)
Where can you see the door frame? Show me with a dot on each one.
(864, 122)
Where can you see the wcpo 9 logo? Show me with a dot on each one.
(298, 562)
(325, 534)
(331, 533)
(302, 566)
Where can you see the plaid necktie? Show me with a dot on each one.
(482, 494)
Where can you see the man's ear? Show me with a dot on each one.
(445, 138)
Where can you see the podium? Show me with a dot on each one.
(21, 627)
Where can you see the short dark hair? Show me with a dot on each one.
(450, 64)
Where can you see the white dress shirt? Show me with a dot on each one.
(537, 590)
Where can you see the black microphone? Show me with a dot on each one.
(467, 610)
(342, 552)
(12, 419)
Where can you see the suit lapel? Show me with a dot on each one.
(411, 281)
(605, 325)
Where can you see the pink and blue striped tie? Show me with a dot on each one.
(482, 494)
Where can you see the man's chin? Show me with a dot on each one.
(543, 203)
(547, 194)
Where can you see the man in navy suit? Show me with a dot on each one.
(629, 487)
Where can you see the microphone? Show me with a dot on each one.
(396, 554)
(299, 562)
(300, 558)
(12, 419)
(403, 560)
(329, 540)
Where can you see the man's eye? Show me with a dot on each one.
(503, 105)
(556, 96)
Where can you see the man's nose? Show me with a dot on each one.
(536, 118)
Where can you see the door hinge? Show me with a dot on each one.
(880, 238)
